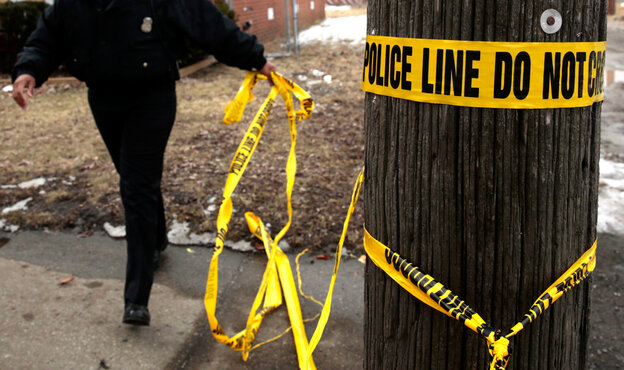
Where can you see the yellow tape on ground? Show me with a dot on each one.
(277, 278)
(320, 326)
(518, 75)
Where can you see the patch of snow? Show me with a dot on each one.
(210, 210)
(337, 8)
(34, 183)
(327, 79)
(115, 231)
(284, 246)
(302, 78)
(180, 234)
(241, 246)
(611, 170)
(8, 187)
(6, 227)
(70, 181)
(7, 89)
(317, 73)
(19, 206)
(343, 29)
(611, 198)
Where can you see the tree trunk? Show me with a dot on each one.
(493, 203)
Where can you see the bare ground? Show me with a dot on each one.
(56, 138)
(336, 12)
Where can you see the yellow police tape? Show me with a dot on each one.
(519, 75)
(434, 294)
(278, 270)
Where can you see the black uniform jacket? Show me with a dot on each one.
(120, 41)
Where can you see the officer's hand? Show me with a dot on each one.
(267, 69)
(24, 81)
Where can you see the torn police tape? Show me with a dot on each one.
(277, 278)
(434, 294)
(510, 75)
(278, 272)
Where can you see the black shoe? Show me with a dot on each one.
(135, 314)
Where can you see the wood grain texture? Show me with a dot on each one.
(494, 203)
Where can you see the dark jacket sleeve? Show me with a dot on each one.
(206, 26)
(45, 49)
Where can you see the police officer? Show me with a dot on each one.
(126, 52)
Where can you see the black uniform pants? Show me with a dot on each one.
(135, 126)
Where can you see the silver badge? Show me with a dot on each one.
(146, 26)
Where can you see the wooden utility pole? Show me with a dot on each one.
(493, 203)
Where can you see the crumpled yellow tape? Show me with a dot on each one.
(277, 277)
(434, 294)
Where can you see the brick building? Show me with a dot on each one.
(267, 18)
(616, 7)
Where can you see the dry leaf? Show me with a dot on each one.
(67, 280)
(323, 257)
(362, 259)
(85, 234)
(259, 246)
(190, 250)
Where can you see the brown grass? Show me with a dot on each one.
(351, 12)
(56, 137)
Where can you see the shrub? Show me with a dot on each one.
(17, 21)
(224, 7)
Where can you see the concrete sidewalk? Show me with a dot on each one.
(44, 324)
